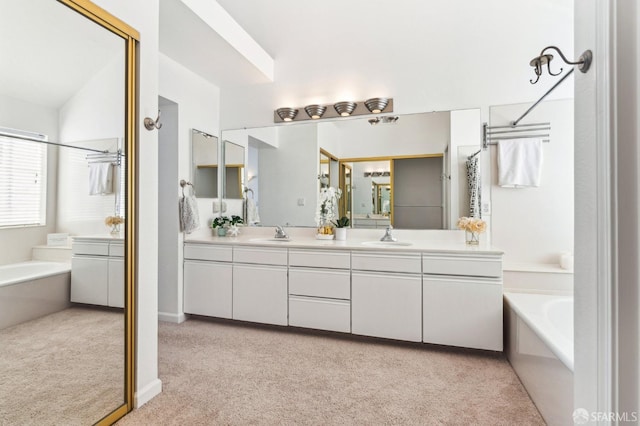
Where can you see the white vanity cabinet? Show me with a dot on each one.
(320, 289)
(462, 300)
(260, 285)
(97, 272)
(208, 274)
(386, 295)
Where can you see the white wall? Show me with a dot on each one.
(197, 105)
(17, 114)
(144, 17)
(535, 225)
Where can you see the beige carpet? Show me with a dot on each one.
(226, 373)
(65, 368)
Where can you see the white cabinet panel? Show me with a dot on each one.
(89, 280)
(321, 314)
(334, 284)
(260, 294)
(260, 255)
(90, 248)
(387, 305)
(463, 312)
(116, 283)
(208, 288)
(208, 252)
(116, 249)
(387, 262)
(462, 265)
(320, 258)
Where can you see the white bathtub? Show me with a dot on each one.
(539, 346)
(29, 290)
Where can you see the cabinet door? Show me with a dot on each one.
(387, 305)
(116, 283)
(207, 288)
(260, 294)
(89, 280)
(463, 312)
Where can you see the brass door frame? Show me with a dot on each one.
(131, 38)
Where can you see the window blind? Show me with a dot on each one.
(23, 181)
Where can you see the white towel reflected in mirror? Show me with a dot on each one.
(100, 178)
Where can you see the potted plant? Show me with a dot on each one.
(220, 225)
(233, 230)
(341, 228)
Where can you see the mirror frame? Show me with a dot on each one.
(131, 38)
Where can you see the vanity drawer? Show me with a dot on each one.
(320, 283)
(116, 249)
(386, 262)
(462, 265)
(320, 314)
(208, 252)
(320, 258)
(260, 255)
(90, 248)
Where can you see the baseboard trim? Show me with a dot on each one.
(174, 318)
(147, 393)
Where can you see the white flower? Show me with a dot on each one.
(327, 205)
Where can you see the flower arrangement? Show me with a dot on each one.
(327, 209)
(223, 223)
(113, 220)
(473, 227)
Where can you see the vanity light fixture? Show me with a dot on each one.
(376, 105)
(287, 114)
(345, 109)
(583, 62)
(315, 111)
(389, 119)
(334, 111)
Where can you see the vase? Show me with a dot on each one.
(341, 234)
(115, 229)
(325, 230)
(222, 231)
(472, 237)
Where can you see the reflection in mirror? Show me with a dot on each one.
(233, 170)
(328, 170)
(62, 316)
(283, 151)
(204, 163)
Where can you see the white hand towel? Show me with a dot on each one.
(189, 215)
(519, 162)
(100, 178)
(252, 212)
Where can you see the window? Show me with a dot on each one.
(23, 179)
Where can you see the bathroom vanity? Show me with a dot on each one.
(433, 291)
(97, 271)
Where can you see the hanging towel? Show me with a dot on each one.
(473, 183)
(100, 178)
(252, 212)
(519, 162)
(189, 216)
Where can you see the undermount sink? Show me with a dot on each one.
(271, 240)
(387, 243)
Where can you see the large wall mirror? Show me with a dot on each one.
(67, 108)
(234, 170)
(407, 170)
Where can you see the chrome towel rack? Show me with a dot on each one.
(492, 134)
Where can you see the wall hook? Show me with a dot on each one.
(150, 123)
(583, 62)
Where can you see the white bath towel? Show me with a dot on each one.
(100, 178)
(252, 212)
(519, 162)
(189, 215)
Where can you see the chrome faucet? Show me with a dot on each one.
(280, 233)
(387, 235)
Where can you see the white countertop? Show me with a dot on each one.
(109, 237)
(421, 240)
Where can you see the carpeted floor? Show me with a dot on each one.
(65, 368)
(227, 373)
